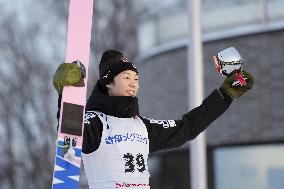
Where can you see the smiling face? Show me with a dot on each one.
(124, 84)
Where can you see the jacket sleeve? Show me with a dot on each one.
(58, 110)
(92, 132)
(166, 134)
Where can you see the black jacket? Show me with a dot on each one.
(163, 134)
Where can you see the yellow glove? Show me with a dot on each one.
(68, 74)
(237, 91)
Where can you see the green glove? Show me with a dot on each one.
(236, 91)
(67, 74)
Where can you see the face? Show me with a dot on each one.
(124, 84)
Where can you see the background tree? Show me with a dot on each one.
(26, 113)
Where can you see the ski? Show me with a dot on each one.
(70, 131)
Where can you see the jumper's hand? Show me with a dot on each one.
(68, 74)
(235, 91)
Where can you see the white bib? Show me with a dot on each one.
(121, 159)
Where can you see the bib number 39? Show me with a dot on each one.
(133, 163)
